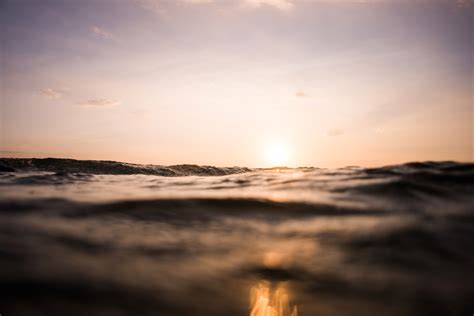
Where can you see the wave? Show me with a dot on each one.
(61, 165)
(430, 170)
(108, 238)
(408, 187)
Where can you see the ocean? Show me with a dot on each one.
(110, 238)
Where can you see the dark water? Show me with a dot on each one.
(106, 238)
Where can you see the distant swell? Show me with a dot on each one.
(111, 167)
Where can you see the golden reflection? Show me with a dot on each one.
(265, 301)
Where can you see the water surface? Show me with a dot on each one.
(105, 238)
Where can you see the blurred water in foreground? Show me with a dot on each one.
(397, 240)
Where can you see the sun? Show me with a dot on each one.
(276, 154)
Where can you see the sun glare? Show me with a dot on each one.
(276, 155)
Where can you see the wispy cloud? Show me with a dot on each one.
(197, 1)
(100, 32)
(283, 5)
(161, 7)
(155, 6)
(51, 93)
(99, 103)
(301, 94)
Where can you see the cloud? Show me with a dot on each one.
(151, 5)
(301, 94)
(99, 32)
(283, 5)
(51, 93)
(334, 132)
(161, 7)
(99, 103)
(197, 1)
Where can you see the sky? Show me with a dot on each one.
(326, 83)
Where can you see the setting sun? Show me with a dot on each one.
(276, 154)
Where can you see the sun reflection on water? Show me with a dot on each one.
(265, 301)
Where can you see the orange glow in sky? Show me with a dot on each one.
(207, 82)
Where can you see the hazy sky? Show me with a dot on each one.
(218, 82)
